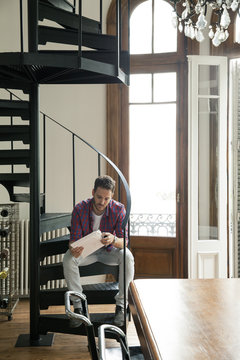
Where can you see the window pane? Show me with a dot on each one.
(140, 88)
(153, 169)
(208, 169)
(141, 29)
(208, 80)
(165, 35)
(164, 87)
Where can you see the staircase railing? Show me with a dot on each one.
(33, 27)
(99, 154)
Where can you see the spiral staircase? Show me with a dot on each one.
(102, 61)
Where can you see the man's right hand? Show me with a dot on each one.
(75, 251)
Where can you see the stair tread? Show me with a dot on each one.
(15, 132)
(6, 129)
(14, 153)
(24, 197)
(70, 36)
(50, 216)
(14, 104)
(60, 323)
(104, 286)
(14, 177)
(98, 293)
(55, 271)
(56, 246)
(66, 18)
(53, 221)
(8, 157)
(63, 4)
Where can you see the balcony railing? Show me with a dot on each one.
(153, 225)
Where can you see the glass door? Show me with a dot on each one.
(152, 122)
(208, 167)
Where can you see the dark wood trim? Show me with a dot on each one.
(118, 125)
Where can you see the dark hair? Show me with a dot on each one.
(105, 182)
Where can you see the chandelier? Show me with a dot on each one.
(192, 20)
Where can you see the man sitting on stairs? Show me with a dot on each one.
(102, 213)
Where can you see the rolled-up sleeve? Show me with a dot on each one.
(119, 230)
(76, 227)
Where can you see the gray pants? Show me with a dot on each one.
(113, 257)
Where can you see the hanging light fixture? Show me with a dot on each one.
(192, 19)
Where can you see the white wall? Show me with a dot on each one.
(81, 108)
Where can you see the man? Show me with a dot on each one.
(102, 213)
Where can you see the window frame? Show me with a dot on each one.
(118, 121)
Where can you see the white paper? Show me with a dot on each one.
(90, 243)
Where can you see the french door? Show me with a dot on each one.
(207, 167)
(158, 172)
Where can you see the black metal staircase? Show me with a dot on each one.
(103, 62)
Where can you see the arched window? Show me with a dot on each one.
(156, 34)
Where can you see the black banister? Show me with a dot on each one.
(99, 165)
(117, 37)
(100, 155)
(80, 32)
(119, 188)
(32, 26)
(21, 25)
(74, 170)
(120, 32)
(44, 157)
(101, 16)
(11, 119)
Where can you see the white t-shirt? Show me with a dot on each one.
(96, 221)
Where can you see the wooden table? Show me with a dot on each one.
(183, 319)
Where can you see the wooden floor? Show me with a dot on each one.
(65, 346)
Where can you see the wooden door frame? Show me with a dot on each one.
(118, 140)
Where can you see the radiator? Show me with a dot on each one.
(24, 258)
(9, 258)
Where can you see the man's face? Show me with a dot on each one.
(101, 199)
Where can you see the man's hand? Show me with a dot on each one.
(107, 238)
(75, 251)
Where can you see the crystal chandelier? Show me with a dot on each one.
(192, 19)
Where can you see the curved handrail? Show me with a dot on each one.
(114, 166)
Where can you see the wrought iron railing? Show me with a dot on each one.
(33, 26)
(153, 225)
(100, 157)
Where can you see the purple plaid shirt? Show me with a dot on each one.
(82, 220)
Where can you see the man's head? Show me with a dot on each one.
(103, 192)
